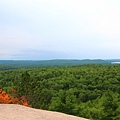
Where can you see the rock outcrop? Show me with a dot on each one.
(19, 112)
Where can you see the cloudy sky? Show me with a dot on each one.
(59, 29)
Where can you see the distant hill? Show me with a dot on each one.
(14, 64)
(114, 60)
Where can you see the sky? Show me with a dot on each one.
(59, 29)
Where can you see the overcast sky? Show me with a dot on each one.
(59, 29)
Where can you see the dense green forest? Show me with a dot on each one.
(91, 91)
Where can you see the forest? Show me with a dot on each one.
(90, 90)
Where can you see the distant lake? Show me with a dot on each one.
(115, 62)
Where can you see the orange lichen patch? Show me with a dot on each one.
(8, 99)
(24, 101)
(4, 98)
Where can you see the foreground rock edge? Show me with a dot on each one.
(19, 112)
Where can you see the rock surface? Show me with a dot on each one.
(19, 112)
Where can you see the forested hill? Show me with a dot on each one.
(14, 64)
